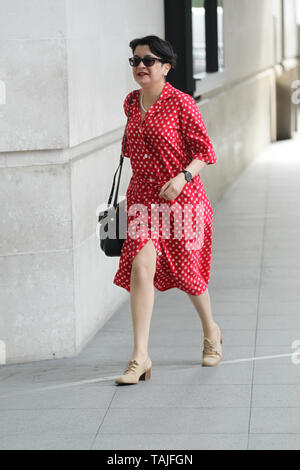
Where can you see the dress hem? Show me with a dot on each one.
(169, 286)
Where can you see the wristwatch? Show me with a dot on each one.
(188, 176)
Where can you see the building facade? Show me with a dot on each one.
(64, 74)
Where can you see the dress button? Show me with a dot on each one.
(145, 156)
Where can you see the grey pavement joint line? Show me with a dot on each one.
(267, 176)
(102, 420)
(104, 379)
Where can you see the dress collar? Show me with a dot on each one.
(167, 91)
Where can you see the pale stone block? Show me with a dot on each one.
(35, 115)
(96, 298)
(36, 209)
(32, 19)
(37, 318)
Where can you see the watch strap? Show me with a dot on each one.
(185, 175)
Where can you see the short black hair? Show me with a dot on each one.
(160, 47)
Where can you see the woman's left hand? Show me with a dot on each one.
(172, 188)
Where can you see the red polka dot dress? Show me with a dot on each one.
(160, 146)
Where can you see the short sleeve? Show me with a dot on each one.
(126, 106)
(195, 133)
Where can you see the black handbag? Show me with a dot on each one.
(113, 221)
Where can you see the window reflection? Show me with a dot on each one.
(220, 35)
(199, 43)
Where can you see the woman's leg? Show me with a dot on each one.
(203, 307)
(142, 298)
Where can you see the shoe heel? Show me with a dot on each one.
(220, 335)
(146, 375)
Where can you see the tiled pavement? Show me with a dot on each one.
(242, 403)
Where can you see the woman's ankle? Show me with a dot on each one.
(140, 357)
(211, 331)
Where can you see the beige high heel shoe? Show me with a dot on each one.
(212, 351)
(135, 372)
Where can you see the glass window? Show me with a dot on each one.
(220, 34)
(201, 17)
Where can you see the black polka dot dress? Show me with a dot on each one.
(160, 146)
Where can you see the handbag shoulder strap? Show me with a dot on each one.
(120, 162)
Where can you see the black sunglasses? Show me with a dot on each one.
(147, 60)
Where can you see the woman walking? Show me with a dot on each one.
(168, 145)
